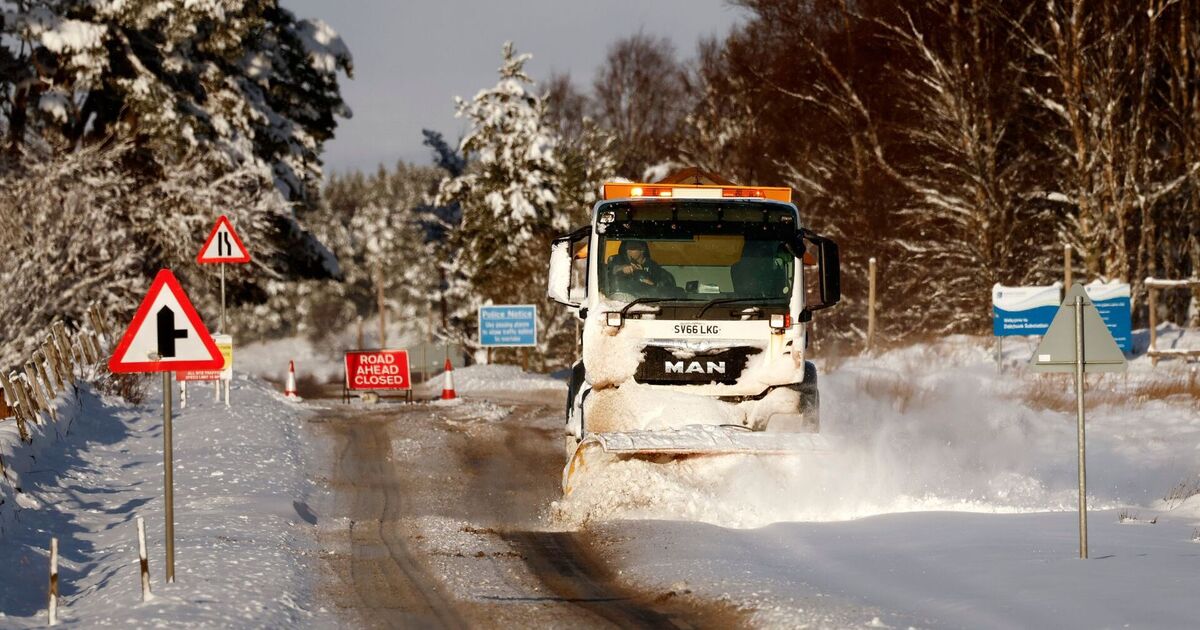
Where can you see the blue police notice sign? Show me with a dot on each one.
(1112, 300)
(1024, 310)
(509, 326)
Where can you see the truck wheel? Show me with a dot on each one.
(810, 399)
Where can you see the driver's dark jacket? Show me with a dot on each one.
(632, 283)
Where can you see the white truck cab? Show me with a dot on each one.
(694, 300)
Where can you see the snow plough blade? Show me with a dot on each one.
(696, 440)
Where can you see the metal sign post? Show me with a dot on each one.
(168, 477)
(1078, 341)
(222, 327)
(1083, 545)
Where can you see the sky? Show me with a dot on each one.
(412, 57)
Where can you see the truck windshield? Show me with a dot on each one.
(697, 250)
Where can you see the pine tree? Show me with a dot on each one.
(173, 100)
(509, 198)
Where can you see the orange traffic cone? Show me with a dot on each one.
(289, 390)
(448, 387)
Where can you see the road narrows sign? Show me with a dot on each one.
(223, 245)
(166, 334)
(1056, 352)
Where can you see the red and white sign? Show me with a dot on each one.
(223, 245)
(377, 369)
(166, 334)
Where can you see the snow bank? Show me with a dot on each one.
(925, 570)
(481, 378)
(928, 427)
(18, 457)
(241, 508)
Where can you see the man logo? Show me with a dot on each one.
(694, 367)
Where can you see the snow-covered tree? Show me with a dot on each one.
(218, 106)
(509, 195)
(229, 82)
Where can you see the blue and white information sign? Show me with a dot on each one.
(508, 326)
(1113, 302)
(1024, 310)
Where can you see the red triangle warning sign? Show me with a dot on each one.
(223, 245)
(166, 334)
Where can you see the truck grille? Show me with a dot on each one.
(660, 366)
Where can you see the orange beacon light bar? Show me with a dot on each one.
(629, 190)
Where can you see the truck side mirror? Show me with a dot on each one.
(831, 273)
(563, 250)
(829, 263)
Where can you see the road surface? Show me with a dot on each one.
(438, 522)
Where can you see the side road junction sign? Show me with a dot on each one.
(166, 334)
(1057, 350)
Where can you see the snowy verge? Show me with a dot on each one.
(18, 457)
(925, 570)
(490, 378)
(241, 509)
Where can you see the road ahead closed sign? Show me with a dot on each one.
(511, 326)
(377, 369)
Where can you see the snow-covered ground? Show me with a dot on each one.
(497, 378)
(241, 506)
(948, 501)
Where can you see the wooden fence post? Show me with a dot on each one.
(1066, 267)
(94, 346)
(1152, 302)
(103, 323)
(35, 386)
(39, 362)
(142, 559)
(871, 305)
(64, 348)
(60, 369)
(85, 344)
(53, 608)
(52, 366)
(23, 399)
(10, 395)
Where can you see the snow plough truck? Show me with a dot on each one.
(695, 297)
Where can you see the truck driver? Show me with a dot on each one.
(634, 272)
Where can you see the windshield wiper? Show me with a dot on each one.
(651, 300)
(712, 303)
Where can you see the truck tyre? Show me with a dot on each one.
(810, 399)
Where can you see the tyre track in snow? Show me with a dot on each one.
(517, 476)
(391, 587)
